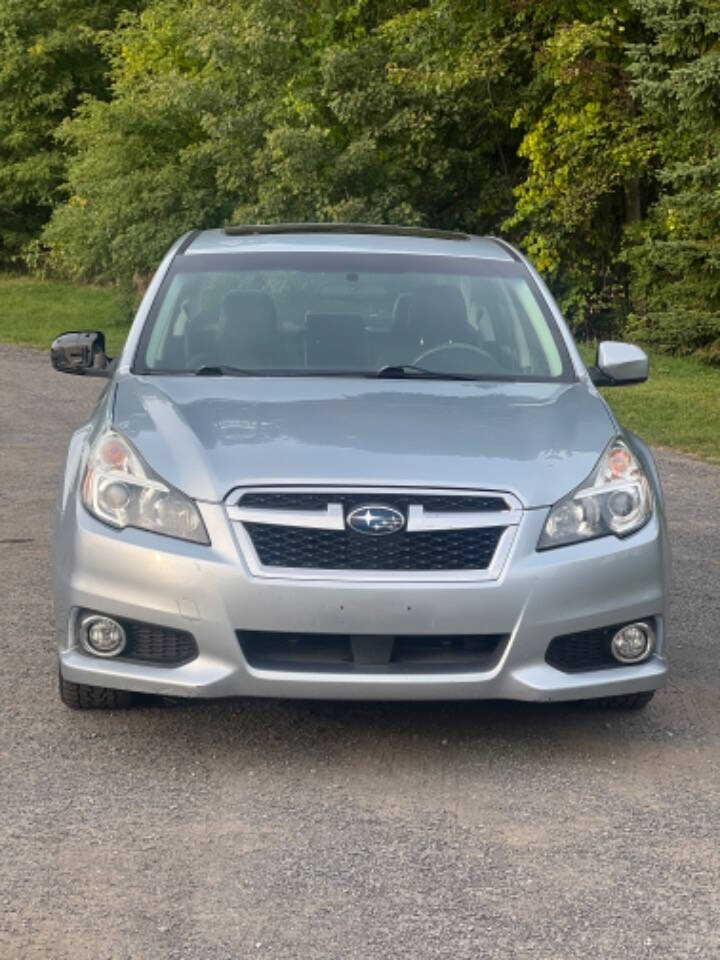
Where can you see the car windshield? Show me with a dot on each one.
(315, 314)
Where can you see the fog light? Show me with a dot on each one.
(102, 636)
(633, 643)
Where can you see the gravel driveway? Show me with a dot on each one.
(296, 830)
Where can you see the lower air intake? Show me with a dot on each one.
(351, 653)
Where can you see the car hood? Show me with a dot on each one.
(208, 435)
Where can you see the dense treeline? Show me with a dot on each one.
(589, 134)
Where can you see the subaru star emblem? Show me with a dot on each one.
(376, 520)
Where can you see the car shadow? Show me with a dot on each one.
(318, 726)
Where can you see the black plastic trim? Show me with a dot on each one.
(186, 242)
(588, 650)
(368, 654)
(141, 642)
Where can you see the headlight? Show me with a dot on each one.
(120, 489)
(615, 499)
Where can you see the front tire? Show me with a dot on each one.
(625, 701)
(81, 696)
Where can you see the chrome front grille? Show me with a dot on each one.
(302, 533)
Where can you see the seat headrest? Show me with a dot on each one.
(248, 307)
(432, 315)
(248, 328)
(441, 310)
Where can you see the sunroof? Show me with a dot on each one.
(246, 230)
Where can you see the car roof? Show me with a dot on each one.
(347, 238)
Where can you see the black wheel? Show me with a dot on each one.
(624, 701)
(81, 696)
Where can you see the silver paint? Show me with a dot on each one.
(211, 437)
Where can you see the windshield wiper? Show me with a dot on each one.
(398, 371)
(389, 372)
(212, 370)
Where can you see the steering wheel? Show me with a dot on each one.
(458, 348)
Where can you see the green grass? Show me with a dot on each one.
(678, 407)
(33, 312)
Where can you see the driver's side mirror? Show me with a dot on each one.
(81, 352)
(618, 364)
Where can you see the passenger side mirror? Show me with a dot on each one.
(81, 352)
(618, 364)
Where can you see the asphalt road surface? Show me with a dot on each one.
(295, 830)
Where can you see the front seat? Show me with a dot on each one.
(432, 316)
(249, 335)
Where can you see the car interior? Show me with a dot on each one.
(485, 329)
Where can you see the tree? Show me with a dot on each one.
(400, 116)
(193, 84)
(381, 110)
(587, 148)
(49, 59)
(675, 254)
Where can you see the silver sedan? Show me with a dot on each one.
(355, 462)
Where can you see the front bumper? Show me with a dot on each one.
(210, 592)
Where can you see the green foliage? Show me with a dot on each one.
(193, 86)
(48, 60)
(280, 109)
(400, 118)
(675, 253)
(587, 149)
(138, 174)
